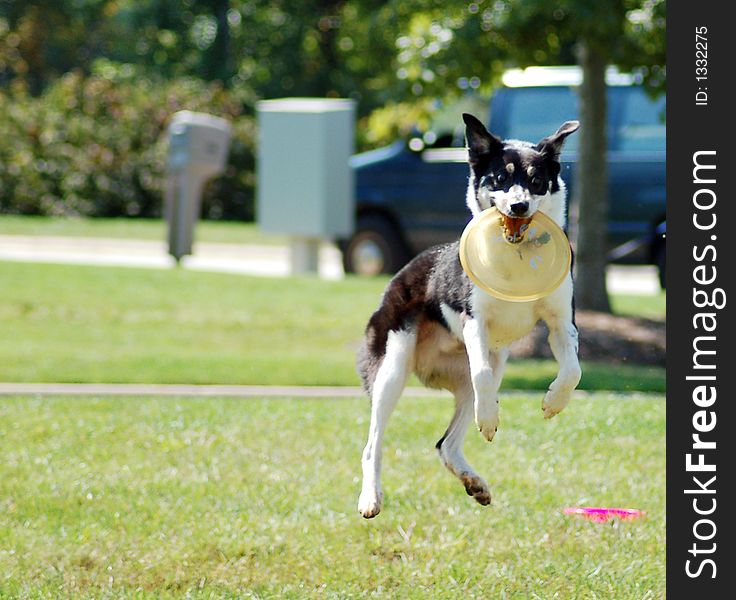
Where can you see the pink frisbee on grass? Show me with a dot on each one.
(600, 514)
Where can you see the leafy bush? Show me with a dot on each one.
(96, 146)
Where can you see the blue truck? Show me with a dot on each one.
(410, 195)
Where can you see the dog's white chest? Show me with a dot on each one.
(505, 321)
(510, 325)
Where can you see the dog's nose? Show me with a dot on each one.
(519, 208)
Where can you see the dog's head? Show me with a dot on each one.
(518, 178)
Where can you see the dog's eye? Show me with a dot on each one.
(486, 181)
(536, 185)
(501, 177)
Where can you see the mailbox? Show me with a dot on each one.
(198, 149)
(305, 185)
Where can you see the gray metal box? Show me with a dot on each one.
(305, 184)
(198, 149)
(198, 142)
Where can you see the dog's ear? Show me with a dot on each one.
(552, 145)
(480, 141)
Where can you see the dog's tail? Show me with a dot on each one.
(399, 310)
(369, 359)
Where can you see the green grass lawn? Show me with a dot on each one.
(173, 497)
(201, 498)
(231, 232)
(68, 323)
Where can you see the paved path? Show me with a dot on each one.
(272, 261)
(246, 259)
(246, 391)
(238, 391)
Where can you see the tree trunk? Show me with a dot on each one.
(217, 61)
(590, 203)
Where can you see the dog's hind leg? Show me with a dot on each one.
(450, 447)
(386, 389)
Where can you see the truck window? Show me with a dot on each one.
(642, 125)
(537, 112)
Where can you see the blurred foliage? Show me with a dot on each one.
(93, 145)
(470, 44)
(87, 85)
(273, 47)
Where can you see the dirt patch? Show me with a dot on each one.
(605, 338)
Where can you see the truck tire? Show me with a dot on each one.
(375, 248)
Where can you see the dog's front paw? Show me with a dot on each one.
(554, 401)
(369, 503)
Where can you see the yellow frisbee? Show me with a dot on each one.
(515, 271)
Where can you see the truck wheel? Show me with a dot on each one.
(660, 259)
(375, 248)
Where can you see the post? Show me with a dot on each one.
(304, 255)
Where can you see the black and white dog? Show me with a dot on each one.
(435, 322)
